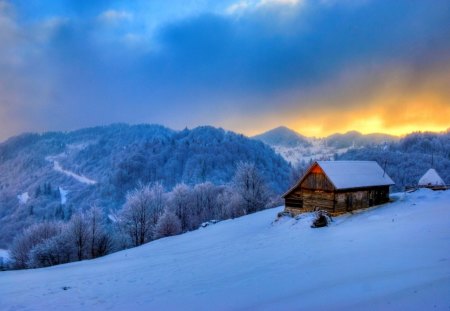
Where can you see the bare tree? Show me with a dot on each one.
(78, 230)
(54, 251)
(180, 203)
(205, 201)
(141, 212)
(30, 237)
(251, 187)
(168, 224)
(99, 240)
(230, 204)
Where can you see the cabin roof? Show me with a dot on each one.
(431, 178)
(351, 174)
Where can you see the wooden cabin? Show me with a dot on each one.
(339, 187)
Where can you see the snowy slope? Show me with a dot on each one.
(394, 257)
(317, 150)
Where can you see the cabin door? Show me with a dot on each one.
(349, 201)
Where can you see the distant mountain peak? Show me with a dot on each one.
(283, 136)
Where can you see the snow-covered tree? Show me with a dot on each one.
(168, 224)
(141, 212)
(54, 251)
(99, 240)
(78, 230)
(30, 237)
(230, 204)
(205, 201)
(180, 203)
(251, 187)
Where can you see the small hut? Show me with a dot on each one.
(432, 180)
(338, 187)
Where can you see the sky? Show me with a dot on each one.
(316, 66)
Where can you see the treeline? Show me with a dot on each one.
(149, 213)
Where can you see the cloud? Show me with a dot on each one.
(115, 16)
(249, 6)
(258, 70)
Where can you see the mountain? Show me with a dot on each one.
(300, 150)
(283, 137)
(50, 175)
(264, 265)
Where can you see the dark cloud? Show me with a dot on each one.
(248, 52)
(210, 67)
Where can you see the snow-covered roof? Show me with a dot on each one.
(351, 174)
(355, 174)
(431, 178)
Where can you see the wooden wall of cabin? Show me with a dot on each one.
(294, 202)
(305, 200)
(350, 200)
(316, 180)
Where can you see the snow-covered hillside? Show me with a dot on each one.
(317, 150)
(393, 257)
(296, 148)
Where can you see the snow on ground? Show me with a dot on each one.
(63, 193)
(318, 150)
(393, 257)
(23, 198)
(83, 179)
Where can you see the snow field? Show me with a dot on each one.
(392, 257)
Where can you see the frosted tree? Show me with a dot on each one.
(53, 251)
(157, 203)
(78, 230)
(141, 212)
(99, 241)
(205, 201)
(230, 204)
(168, 224)
(180, 203)
(30, 237)
(251, 187)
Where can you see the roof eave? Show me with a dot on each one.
(363, 187)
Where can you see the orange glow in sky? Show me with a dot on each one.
(419, 115)
(390, 104)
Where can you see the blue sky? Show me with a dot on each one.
(246, 65)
